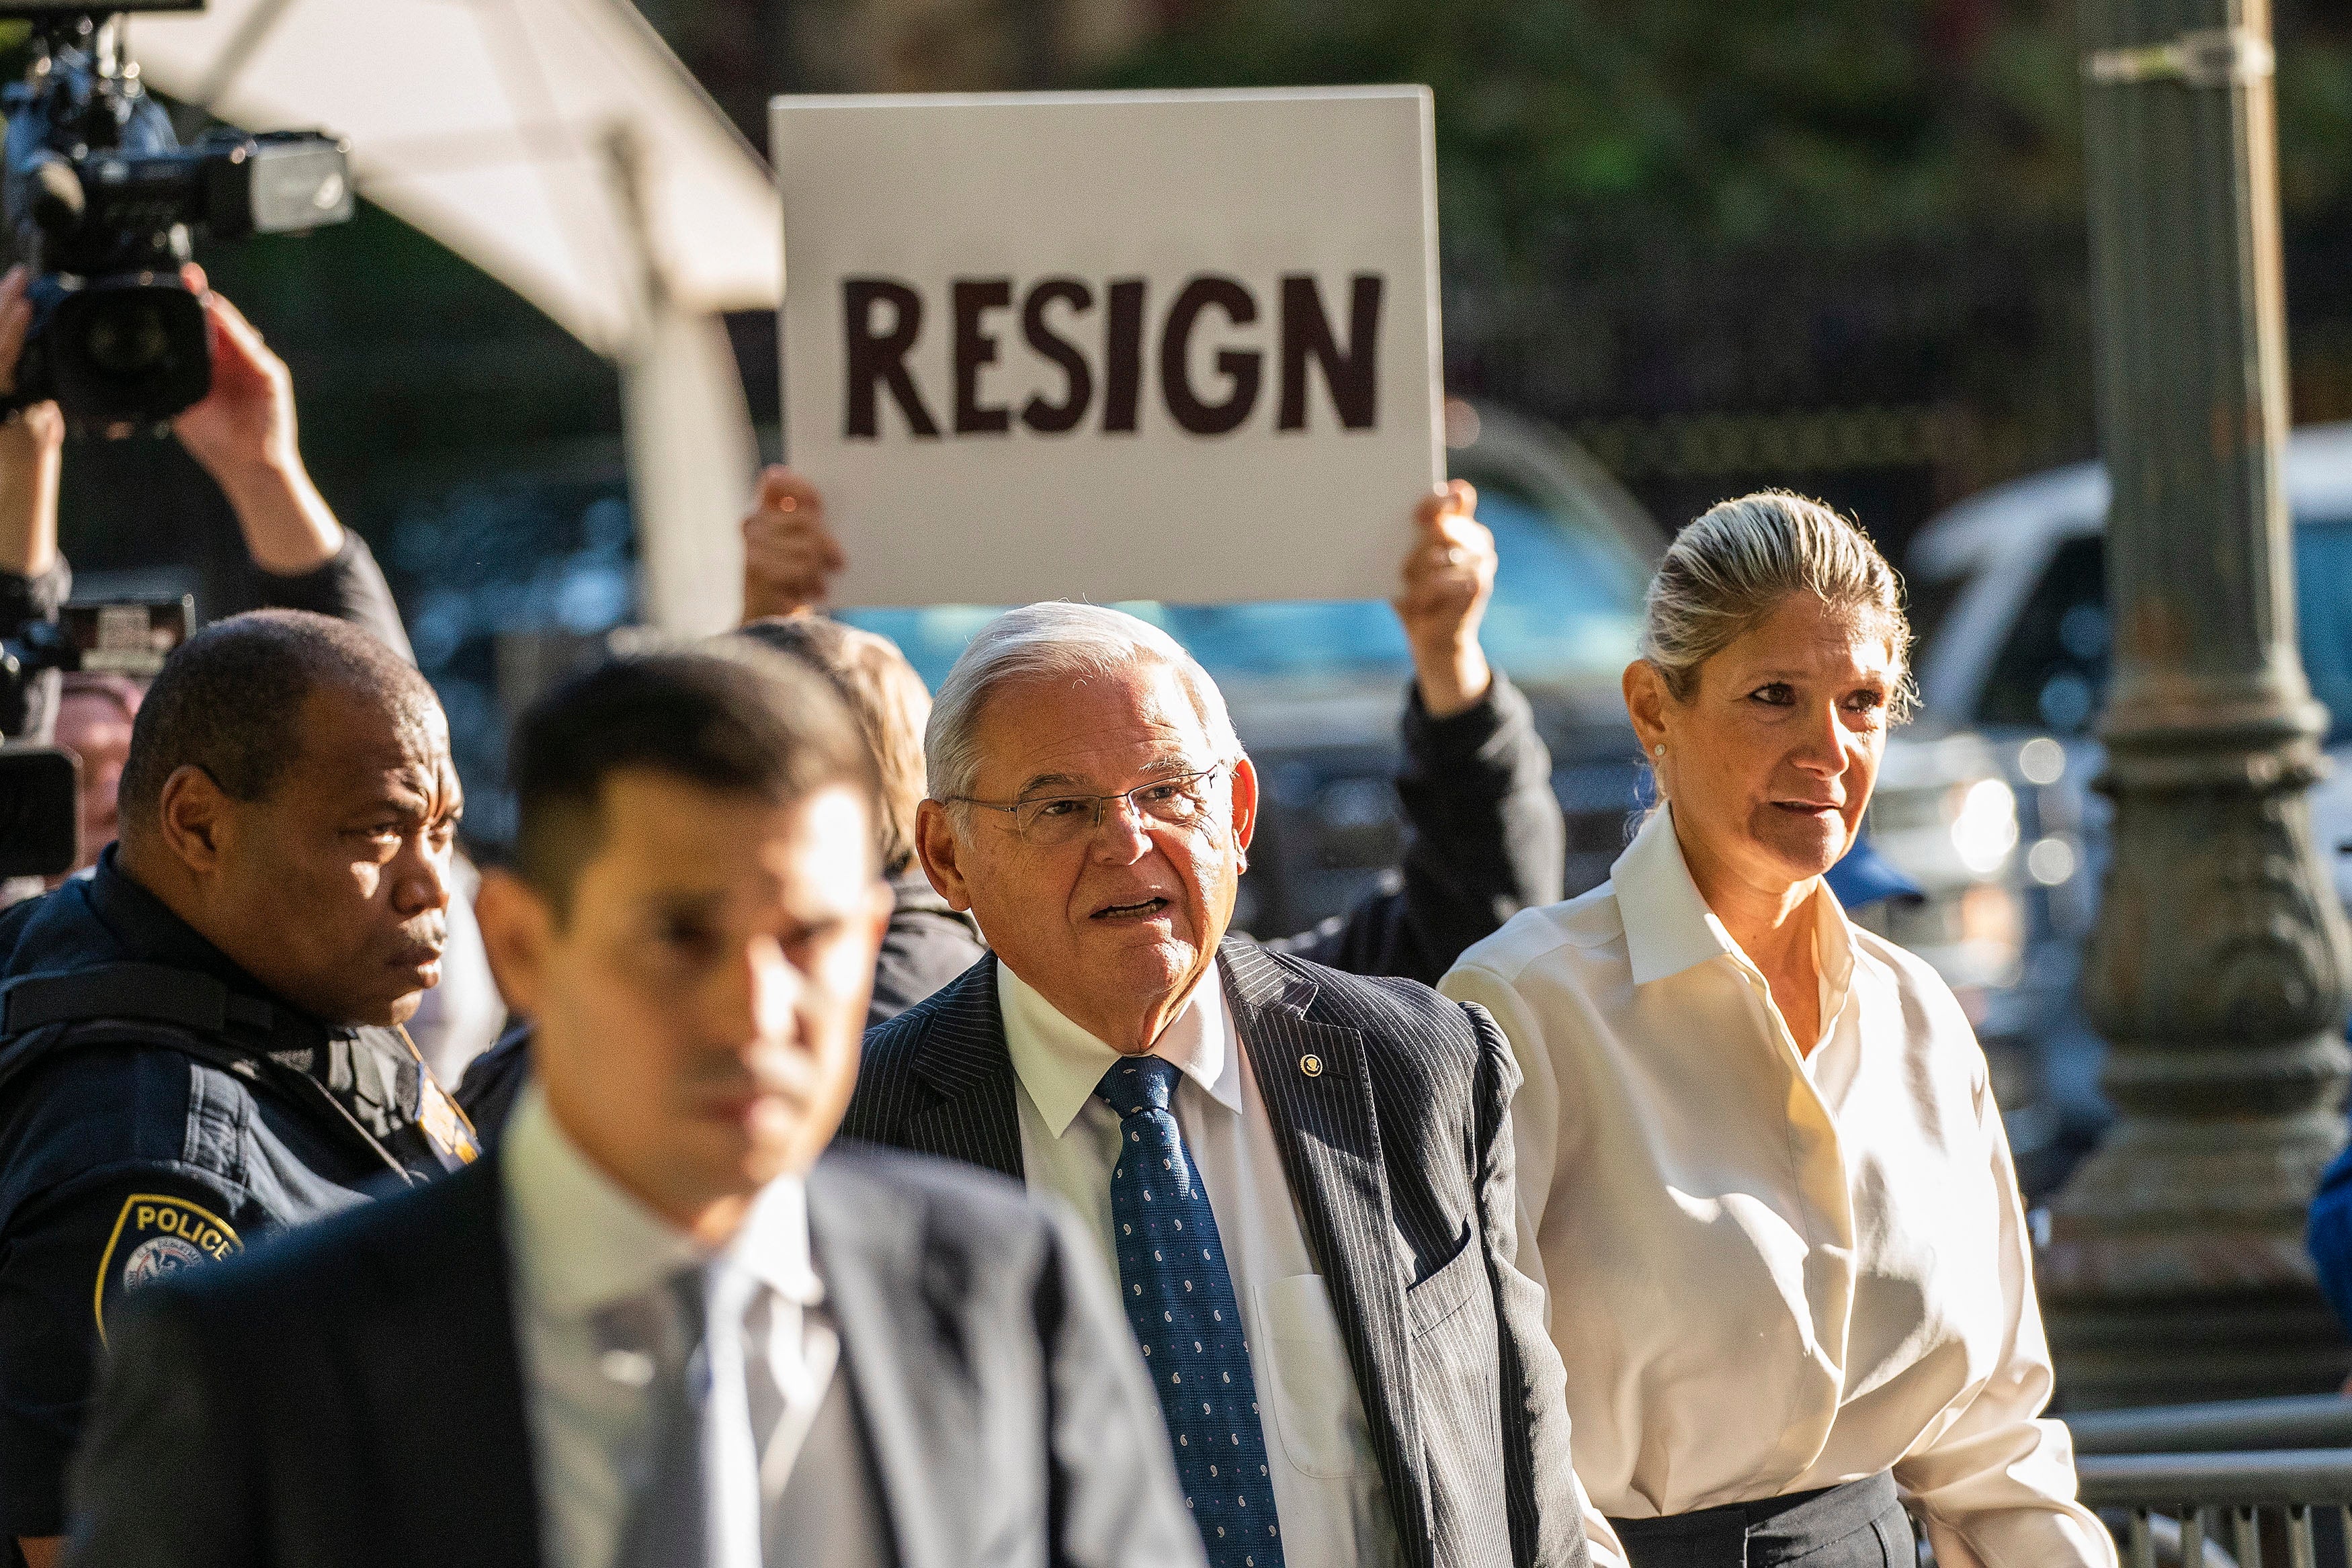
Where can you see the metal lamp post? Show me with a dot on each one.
(2217, 970)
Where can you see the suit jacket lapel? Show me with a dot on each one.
(918, 1415)
(1318, 1090)
(963, 1061)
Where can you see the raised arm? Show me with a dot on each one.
(32, 443)
(245, 436)
(1484, 834)
(34, 581)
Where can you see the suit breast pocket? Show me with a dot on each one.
(1307, 1381)
(1455, 1281)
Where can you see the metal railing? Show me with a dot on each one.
(2208, 1485)
(2309, 1421)
(2275, 1496)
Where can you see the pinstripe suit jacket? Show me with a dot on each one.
(1399, 1155)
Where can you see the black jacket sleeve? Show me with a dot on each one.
(928, 945)
(161, 1481)
(1484, 839)
(350, 587)
(24, 600)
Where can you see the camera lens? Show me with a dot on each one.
(128, 348)
(127, 339)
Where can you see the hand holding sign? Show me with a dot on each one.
(790, 556)
(1448, 577)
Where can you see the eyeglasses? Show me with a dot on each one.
(1051, 820)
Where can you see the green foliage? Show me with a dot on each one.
(1841, 120)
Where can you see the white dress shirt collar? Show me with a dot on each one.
(585, 1243)
(1060, 1064)
(1669, 927)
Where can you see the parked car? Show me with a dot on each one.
(1315, 690)
(2012, 589)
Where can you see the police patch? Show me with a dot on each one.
(157, 1235)
(158, 1257)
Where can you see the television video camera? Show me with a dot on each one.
(99, 198)
(38, 784)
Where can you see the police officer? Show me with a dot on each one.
(201, 1043)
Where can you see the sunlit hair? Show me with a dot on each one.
(1729, 570)
(887, 698)
(1061, 642)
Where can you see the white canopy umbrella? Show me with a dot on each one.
(562, 148)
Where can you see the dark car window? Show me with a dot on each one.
(1567, 609)
(2052, 674)
(2052, 671)
(2323, 605)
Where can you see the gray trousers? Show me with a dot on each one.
(1858, 1525)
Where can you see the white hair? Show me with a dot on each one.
(1056, 640)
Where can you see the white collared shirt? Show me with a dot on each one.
(1326, 1482)
(581, 1245)
(1770, 1274)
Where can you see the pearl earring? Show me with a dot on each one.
(1658, 751)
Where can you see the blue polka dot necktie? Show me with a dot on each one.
(1180, 1298)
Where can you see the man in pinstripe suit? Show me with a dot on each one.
(1302, 1179)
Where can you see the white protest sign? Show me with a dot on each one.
(1179, 346)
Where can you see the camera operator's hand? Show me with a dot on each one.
(32, 441)
(789, 556)
(243, 434)
(1449, 575)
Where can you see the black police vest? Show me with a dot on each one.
(155, 1005)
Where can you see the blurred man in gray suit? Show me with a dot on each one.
(1300, 1178)
(661, 1325)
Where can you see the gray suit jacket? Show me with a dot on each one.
(1398, 1149)
(352, 1393)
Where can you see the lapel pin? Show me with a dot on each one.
(1311, 1065)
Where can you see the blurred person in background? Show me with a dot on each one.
(95, 710)
(1760, 1165)
(200, 1041)
(665, 1325)
(928, 943)
(2327, 1236)
(245, 436)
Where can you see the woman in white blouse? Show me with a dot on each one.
(1766, 1183)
